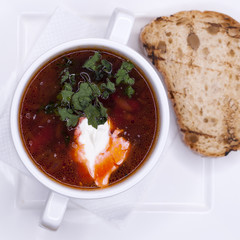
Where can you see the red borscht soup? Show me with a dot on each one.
(88, 118)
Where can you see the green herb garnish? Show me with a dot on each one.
(129, 91)
(96, 114)
(107, 89)
(65, 95)
(65, 75)
(107, 66)
(110, 86)
(122, 76)
(68, 116)
(101, 67)
(92, 62)
(83, 97)
(50, 108)
(96, 83)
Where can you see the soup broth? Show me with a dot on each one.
(49, 141)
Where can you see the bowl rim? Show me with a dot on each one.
(160, 95)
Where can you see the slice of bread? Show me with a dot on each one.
(198, 54)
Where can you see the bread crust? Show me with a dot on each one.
(206, 45)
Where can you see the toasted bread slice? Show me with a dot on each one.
(198, 54)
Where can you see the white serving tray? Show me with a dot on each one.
(189, 197)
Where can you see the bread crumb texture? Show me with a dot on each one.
(198, 54)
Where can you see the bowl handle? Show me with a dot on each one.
(120, 26)
(54, 211)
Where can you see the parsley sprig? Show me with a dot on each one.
(85, 101)
(122, 76)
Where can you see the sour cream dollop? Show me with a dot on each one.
(100, 150)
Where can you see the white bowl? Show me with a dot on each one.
(161, 137)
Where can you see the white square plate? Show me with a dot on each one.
(189, 197)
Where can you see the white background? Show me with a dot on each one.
(189, 197)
